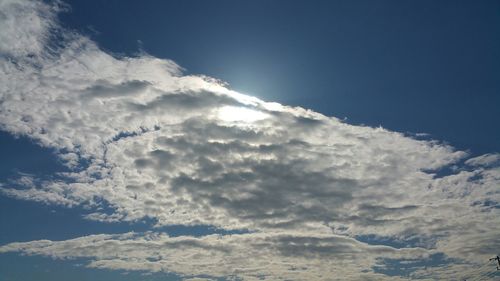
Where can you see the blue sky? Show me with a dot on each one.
(180, 140)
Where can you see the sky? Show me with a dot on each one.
(249, 140)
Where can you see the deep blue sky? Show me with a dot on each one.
(410, 66)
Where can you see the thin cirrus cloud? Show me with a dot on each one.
(146, 141)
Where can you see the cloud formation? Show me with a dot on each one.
(143, 140)
(290, 256)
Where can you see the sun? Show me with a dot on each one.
(240, 114)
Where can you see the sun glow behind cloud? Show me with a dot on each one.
(240, 114)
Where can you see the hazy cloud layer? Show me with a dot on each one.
(149, 142)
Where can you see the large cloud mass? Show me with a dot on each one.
(142, 140)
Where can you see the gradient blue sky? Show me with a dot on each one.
(415, 67)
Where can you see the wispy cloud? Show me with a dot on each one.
(149, 141)
(251, 256)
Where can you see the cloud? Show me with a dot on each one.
(147, 141)
(276, 256)
(484, 160)
(25, 29)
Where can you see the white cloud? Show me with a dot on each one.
(154, 145)
(25, 28)
(484, 160)
(276, 256)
